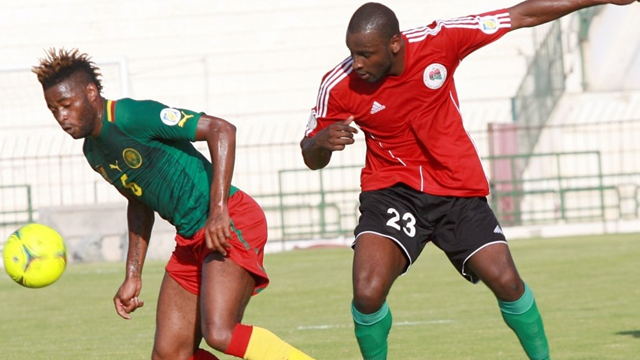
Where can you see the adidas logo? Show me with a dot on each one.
(377, 107)
(498, 230)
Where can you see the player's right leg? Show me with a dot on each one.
(389, 233)
(377, 262)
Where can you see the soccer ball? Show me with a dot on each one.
(35, 256)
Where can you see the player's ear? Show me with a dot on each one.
(92, 91)
(396, 43)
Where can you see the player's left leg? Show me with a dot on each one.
(177, 324)
(494, 265)
(228, 283)
(225, 293)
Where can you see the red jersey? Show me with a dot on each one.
(412, 123)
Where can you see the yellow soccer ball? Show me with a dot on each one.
(35, 256)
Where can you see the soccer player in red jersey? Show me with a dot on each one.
(423, 180)
(144, 149)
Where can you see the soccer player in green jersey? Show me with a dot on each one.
(144, 149)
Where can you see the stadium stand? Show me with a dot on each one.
(258, 64)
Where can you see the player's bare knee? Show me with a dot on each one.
(166, 353)
(156, 355)
(507, 287)
(368, 298)
(217, 337)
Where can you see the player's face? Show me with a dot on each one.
(71, 107)
(371, 54)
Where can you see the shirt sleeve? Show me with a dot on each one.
(328, 109)
(317, 122)
(467, 34)
(154, 120)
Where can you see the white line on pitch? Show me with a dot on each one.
(403, 323)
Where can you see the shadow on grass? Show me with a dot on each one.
(633, 333)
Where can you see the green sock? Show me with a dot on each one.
(372, 331)
(523, 318)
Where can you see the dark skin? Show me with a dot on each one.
(377, 261)
(183, 318)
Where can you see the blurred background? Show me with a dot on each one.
(553, 110)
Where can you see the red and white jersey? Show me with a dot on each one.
(412, 122)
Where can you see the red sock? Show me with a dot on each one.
(203, 355)
(239, 340)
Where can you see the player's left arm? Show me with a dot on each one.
(140, 219)
(535, 12)
(220, 136)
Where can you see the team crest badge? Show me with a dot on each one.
(132, 158)
(170, 116)
(434, 76)
(488, 24)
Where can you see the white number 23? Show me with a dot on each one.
(408, 219)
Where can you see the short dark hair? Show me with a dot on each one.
(60, 65)
(374, 17)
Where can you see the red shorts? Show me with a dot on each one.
(249, 235)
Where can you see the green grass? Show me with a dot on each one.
(585, 288)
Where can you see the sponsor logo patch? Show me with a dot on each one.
(434, 76)
(488, 24)
(377, 107)
(115, 167)
(184, 119)
(170, 117)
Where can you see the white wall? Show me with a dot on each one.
(256, 63)
(244, 60)
(613, 52)
(230, 58)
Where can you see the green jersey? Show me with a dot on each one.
(145, 148)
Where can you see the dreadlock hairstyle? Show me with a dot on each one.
(60, 65)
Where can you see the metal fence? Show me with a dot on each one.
(582, 172)
(541, 88)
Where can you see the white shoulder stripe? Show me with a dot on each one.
(332, 79)
(468, 22)
(421, 33)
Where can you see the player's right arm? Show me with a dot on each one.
(328, 128)
(140, 219)
(317, 150)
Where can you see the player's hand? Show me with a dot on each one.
(218, 232)
(336, 136)
(126, 299)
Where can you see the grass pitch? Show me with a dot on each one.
(585, 288)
